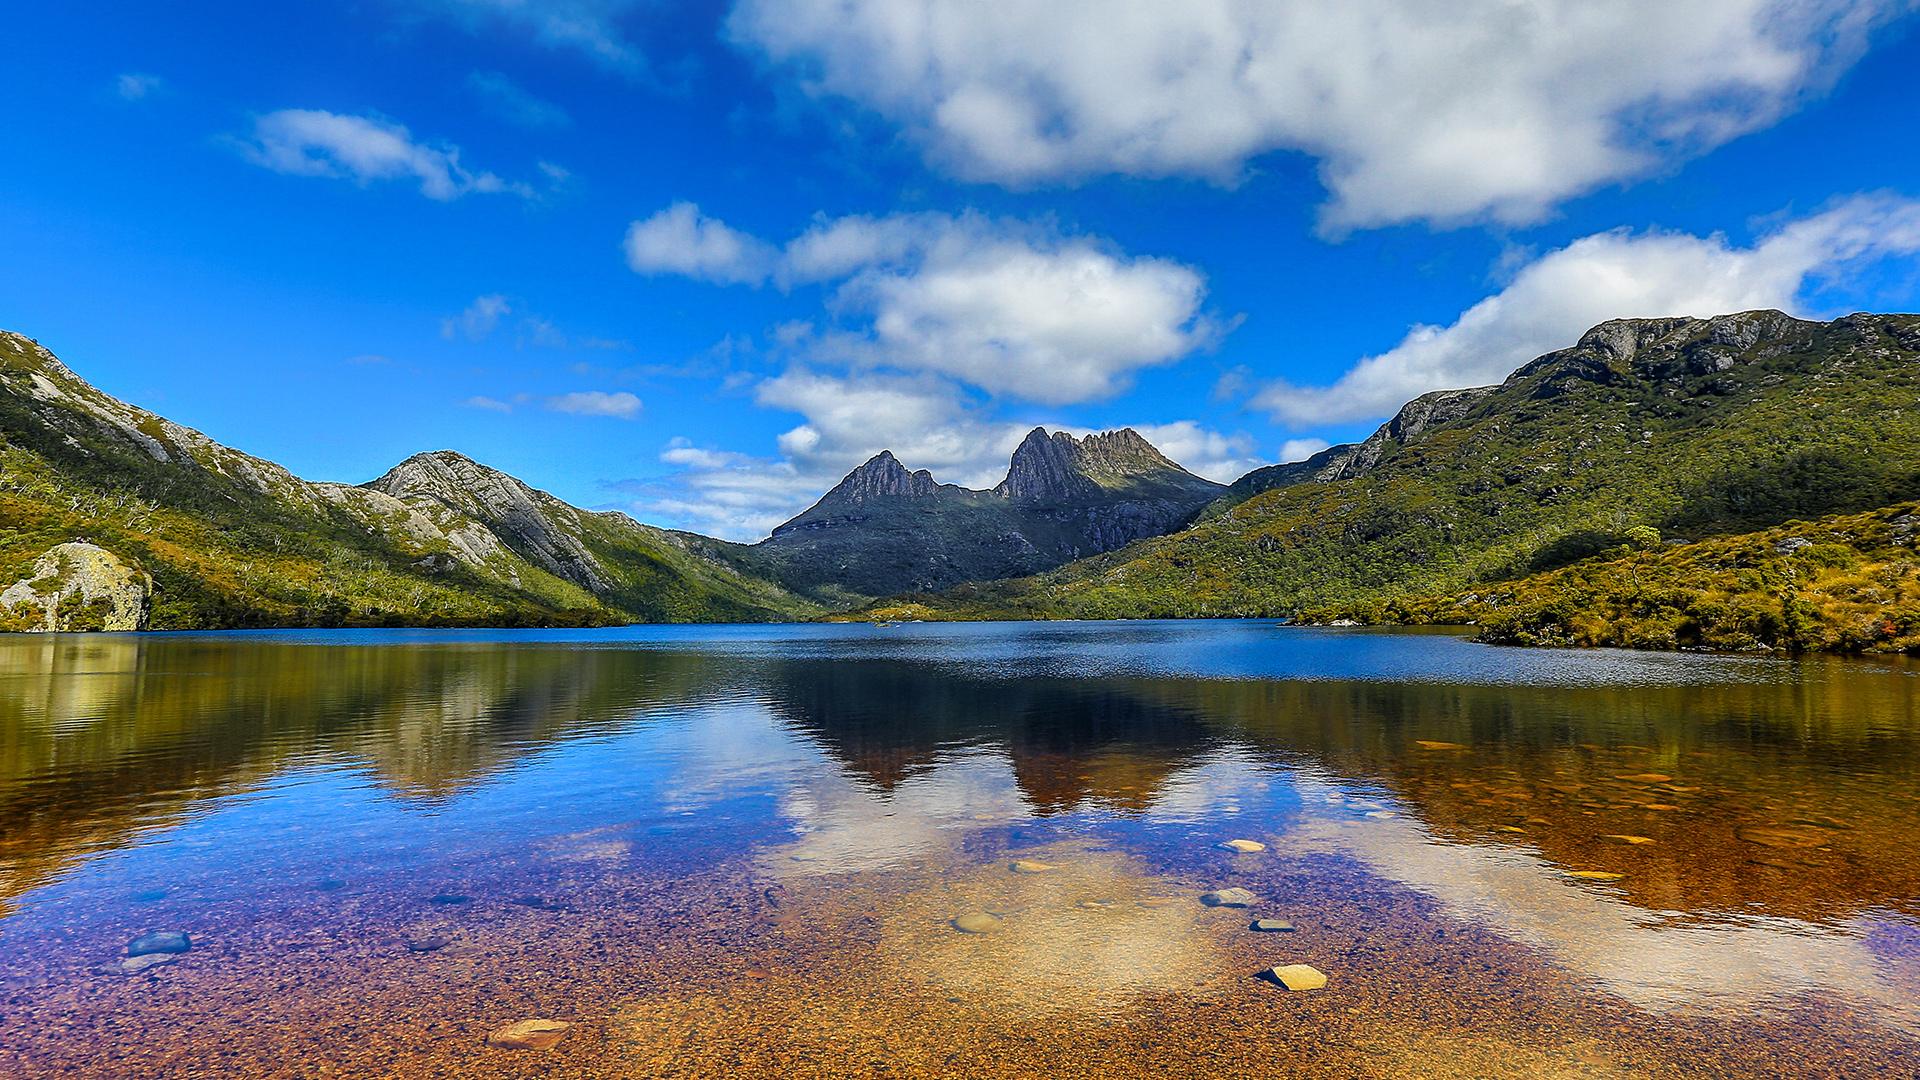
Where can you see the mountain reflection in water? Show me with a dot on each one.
(643, 823)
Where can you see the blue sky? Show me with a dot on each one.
(696, 260)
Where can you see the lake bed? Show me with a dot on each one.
(952, 850)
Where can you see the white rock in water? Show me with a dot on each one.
(1235, 897)
(1245, 847)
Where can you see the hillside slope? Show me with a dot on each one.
(1843, 583)
(211, 537)
(1693, 427)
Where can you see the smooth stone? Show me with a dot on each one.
(134, 965)
(1623, 838)
(329, 884)
(1272, 926)
(1508, 828)
(1380, 814)
(448, 898)
(1029, 866)
(1245, 847)
(537, 1034)
(161, 941)
(1297, 977)
(430, 944)
(977, 922)
(1235, 897)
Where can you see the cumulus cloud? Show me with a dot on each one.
(136, 85)
(515, 105)
(1437, 111)
(1014, 309)
(313, 142)
(481, 401)
(620, 405)
(681, 240)
(480, 318)
(1619, 274)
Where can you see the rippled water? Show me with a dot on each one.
(740, 851)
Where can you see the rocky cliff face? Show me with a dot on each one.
(885, 530)
(532, 523)
(78, 586)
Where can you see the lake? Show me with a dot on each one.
(743, 851)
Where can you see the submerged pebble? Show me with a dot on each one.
(1272, 926)
(535, 1034)
(134, 965)
(160, 941)
(976, 922)
(1623, 838)
(428, 944)
(1296, 977)
(1029, 866)
(1245, 847)
(448, 898)
(1235, 897)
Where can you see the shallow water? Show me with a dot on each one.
(739, 851)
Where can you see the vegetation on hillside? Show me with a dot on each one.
(1847, 583)
(232, 541)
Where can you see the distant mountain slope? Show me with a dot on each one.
(1843, 583)
(1694, 427)
(212, 537)
(885, 530)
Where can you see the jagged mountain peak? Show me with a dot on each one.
(1059, 467)
(883, 476)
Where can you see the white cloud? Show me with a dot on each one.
(480, 318)
(682, 240)
(1436, 111)
(1552, 300)
(1013, 309)
(589, 27)
(313, 142)
(1301, 449)
(480, 401)
(620, 405)
(136, 85)
(515, 105)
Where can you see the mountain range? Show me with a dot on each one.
(1681, 429)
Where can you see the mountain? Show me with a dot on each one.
(885, 530)
(1693, 428)
(111, 516)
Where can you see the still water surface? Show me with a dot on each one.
(740, 851)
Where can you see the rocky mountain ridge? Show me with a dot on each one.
(884, 529)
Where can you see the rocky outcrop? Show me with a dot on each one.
(530, 522)
(1411, 424)
(1058, 468)
(78, 586)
